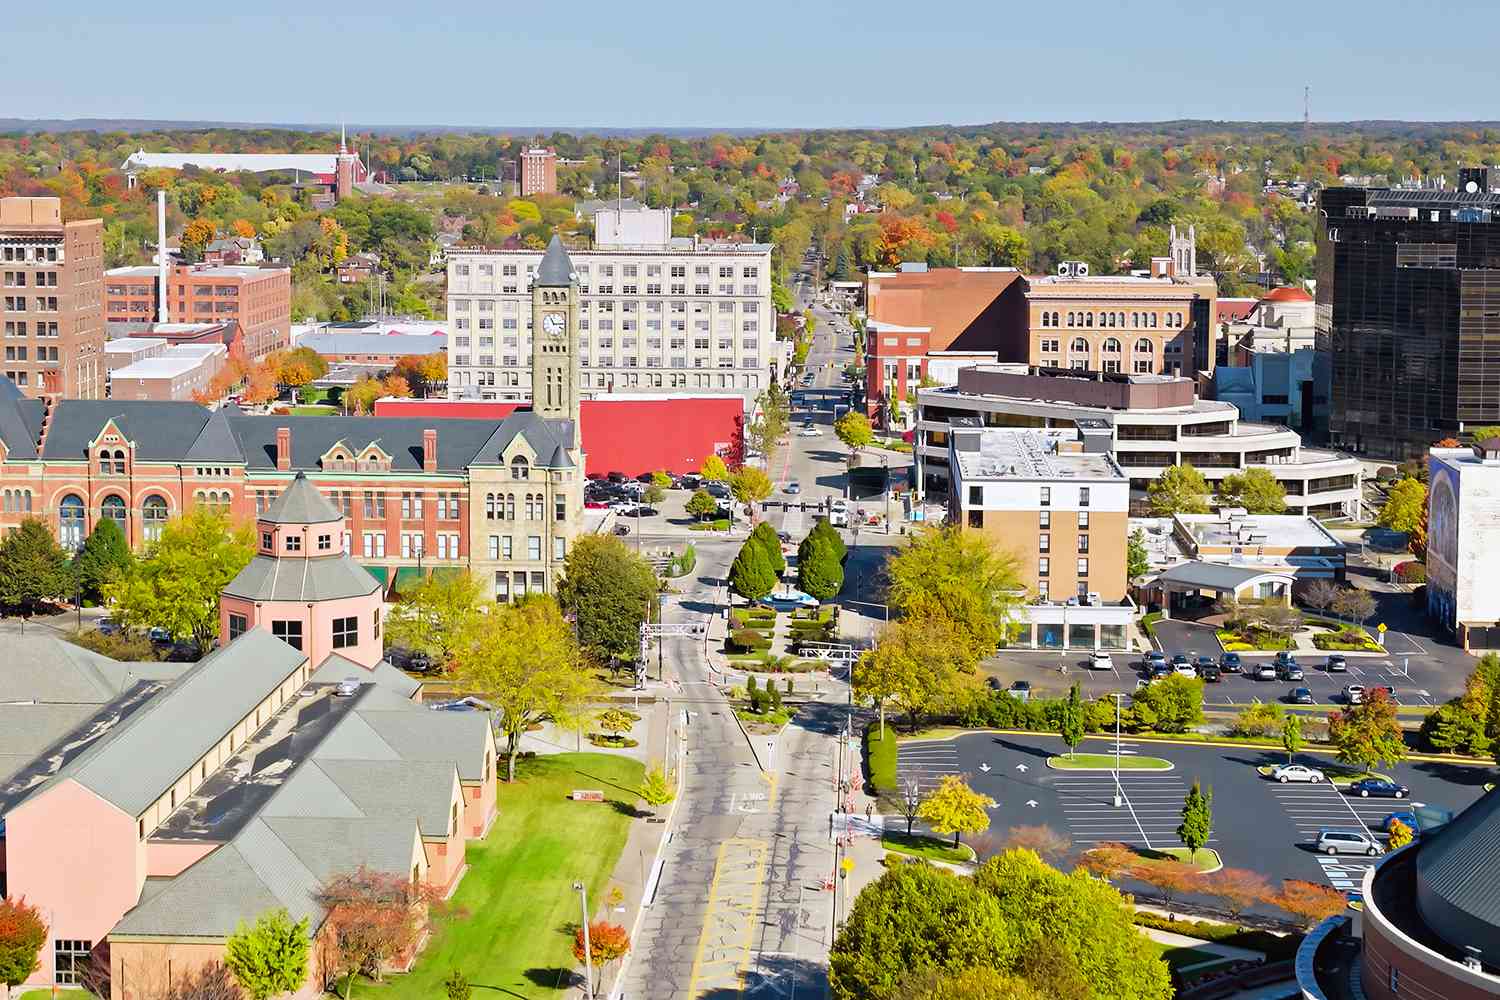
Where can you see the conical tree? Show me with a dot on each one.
(103, 555)
(819, 572)
(33, 568)
(751, 576)
(828, 533)
(765, 536)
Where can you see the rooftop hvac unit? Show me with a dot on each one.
(1073, 269)
(1094, 599)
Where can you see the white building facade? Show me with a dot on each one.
(656, 313)
(1463, 535)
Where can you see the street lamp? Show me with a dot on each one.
(1119, 793)
(588, 952)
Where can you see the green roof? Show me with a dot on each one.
(381, 574)
(408, 577)
(447, 572)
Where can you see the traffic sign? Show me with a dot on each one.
(1380, 628)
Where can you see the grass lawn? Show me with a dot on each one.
(314, 411)
(514, 913)
(932, 848)
(1208, 859)
(1106, 762)
(720, 525)
(880, 761)
(1176, 958)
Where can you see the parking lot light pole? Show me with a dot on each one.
(588, 954)
(1119, 796)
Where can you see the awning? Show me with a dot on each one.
(447, 572)
(408, 577)
(380, 573)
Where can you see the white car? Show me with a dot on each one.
(1354, 694)
(810, 432)
(1296, 772)
(1184, 670)
(1100, 661)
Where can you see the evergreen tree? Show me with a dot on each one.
(828, 533)
(751, 575)
(33, 568)
(104, 554)
(765, 536)
(819, 571)
(269, 958)
(1070, 726)
(1197, 819)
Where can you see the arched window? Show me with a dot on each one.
(1111, 346)
(510, 506)
(489, 506)
(1046, 319)
(113, 507)
(1070, 319)
(1144, 346)
(1153, 321)
(1088, 319)
(71, 517)
(153, 517)
(519, 469)
(1080, 346)
(1057, 319)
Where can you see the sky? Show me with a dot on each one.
(544, 64)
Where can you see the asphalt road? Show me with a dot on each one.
(1258, 824)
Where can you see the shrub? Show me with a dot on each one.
(119, 646)
(1411, 572)
(748, 640)
(1262, 720)
(457, 986)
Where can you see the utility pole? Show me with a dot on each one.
(588, 952)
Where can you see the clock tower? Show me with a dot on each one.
(554, 337)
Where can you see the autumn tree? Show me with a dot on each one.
(953, 807)
(1354, 603)
(921, 664)
(196, 237)
(1048, 844)
(1309, 902)
(854, 430)
(1368, 733)
(750, 485)
(435, 615)
(964, 576)
(1109, 860)
(1180, 489)
(209, 981)
(714, 470)
(372, 917)
(615, 723)
(176, 584)
(607, 943)
(1398, 836)
(1404, 505)
(23, 932)
(1238, 889)
(1169, 877)
(269, 957)
(656, 787)
(701, 504)
(360, 397)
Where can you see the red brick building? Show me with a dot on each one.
(52, 302)
(537, 172)
(258, 300)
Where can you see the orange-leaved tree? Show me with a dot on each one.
(607, 943)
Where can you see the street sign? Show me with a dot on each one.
(1380, 628)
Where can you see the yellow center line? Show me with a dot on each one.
(731, 853)
(713, 895)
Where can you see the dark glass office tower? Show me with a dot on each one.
(1408, 308)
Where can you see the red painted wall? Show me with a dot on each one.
(629, 434)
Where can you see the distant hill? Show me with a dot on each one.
(38, 125)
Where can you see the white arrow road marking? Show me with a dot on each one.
(1021, 768)
(985, 768)
(1031, 803)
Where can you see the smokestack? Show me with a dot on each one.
(161, 256)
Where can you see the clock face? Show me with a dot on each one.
(553, 323)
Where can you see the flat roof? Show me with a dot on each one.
(1007, 454)
(1276, 530)
(164, 367)
(129, 345)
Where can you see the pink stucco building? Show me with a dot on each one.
(158, 806)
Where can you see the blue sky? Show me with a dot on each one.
(643, 63)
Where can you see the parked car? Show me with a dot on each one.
(792, 488)
(1284, 659)
(1230, 663)
(1265, 672)
(616, 477)
(595, 505)
(1336, 664)
(1346, 842)
(718, 490)
(1354, 693)
(1296, 772)
(108, 626)
(1184, 670)
(1300, 696)
(810, 432)
(159, 636)
(1381, 788)
(1180, 660)
(1160, 670)
(414, 660)
(1153, 658)
(641, 510)
(1199, 662)
(1290, 672)
(1101, 661)
(1020, 690)
(622, 530)
(1210, 673)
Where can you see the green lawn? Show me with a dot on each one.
(880, 761)
(1106, 762)
(919, 846)
(1208, 859)
(511, 932)
(1176, 958)
(314, 411)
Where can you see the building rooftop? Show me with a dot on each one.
(339, 342)
(1002, 454)
(129, 345)
(247, 272)
(166, 366)
(1231, 527)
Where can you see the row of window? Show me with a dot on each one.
(18, 328)
(1137, 320)
(500, 547)
(16, 501)
(12, 253)
(1109, 345)
(1044, 566)
(502, 507)
(608, 270)
(72, 517)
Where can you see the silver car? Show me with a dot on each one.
(1346, 842)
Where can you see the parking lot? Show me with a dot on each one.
(1258, 823)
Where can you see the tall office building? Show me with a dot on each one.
(654, 312)
(537, 172)
(52, 305)
(1408, 305)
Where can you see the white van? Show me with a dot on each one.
(1346, 842)
(838, 513)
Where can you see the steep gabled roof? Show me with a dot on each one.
(301, 503)
(216, 441)
(556, 268)
(163, 431)
(543, 434)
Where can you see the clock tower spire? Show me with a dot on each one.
(554, 337)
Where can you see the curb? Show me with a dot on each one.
(1425, 758)
(1109, 770)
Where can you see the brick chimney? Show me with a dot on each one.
(429, 450)
(284, 449)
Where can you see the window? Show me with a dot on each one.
(559, 548)
(377, 623)
(238, 625)
(1083, 496)
(533, 546)
(502, 586)
(1111, 346)
(345, 632)
(1079, 346)
(325, 543)
(1083, 543)
(1144, 346)
(153, 516)
(1046, 496)
(560, 508)
(1083, 520)
(70, 521)
(1083, 567)
(374, 504)
(374, 542)
(1045, 519)
(1043, 566)
(519, 469)
(293, 543)
(113, 508)
(505, 548)
(288, 632)
(976, 496)
(1044, 543)
(72, 960)
(494, 547)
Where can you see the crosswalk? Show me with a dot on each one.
(1312, 807)
(1150, 810)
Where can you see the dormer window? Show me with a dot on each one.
(293, 543)
(519, 469)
